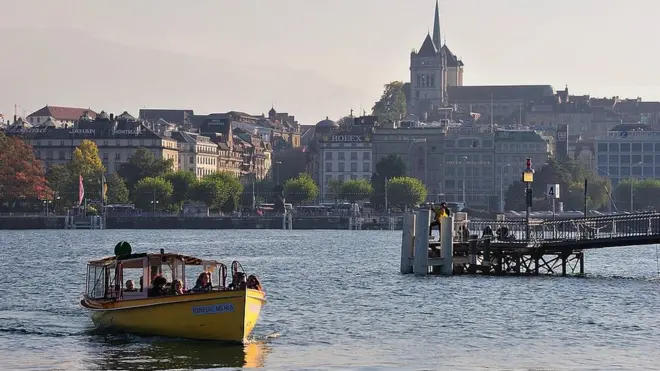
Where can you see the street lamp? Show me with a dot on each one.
(277, 171)
(528, 179)
(609, 176)
(502, 187)
(464, 158)
(632, 180)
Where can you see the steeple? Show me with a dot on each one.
(436, 27)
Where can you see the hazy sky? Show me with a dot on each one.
(311, 58)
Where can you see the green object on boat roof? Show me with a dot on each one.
(123, 248)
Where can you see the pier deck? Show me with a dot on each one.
(550, 246)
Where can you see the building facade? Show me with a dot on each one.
(628, 151)
(116, 139)
(197, 153)
(421, 149)
(344, 153)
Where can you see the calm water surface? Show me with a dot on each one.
(337, 301)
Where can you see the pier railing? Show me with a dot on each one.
(611, 227)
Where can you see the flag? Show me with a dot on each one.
(104, 188)
(81, 191)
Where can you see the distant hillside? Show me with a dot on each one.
(65, 67)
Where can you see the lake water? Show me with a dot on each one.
(336, 300)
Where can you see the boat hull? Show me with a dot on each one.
(219, 315)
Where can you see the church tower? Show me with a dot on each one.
(428, 74)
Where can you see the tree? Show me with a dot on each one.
(152, 193)
(392, 103)
(570, 176)
(355, 190)
(646, 194)
(334, 189)
(208, 191)
(117, 191)
(182, 181)
(389, 167)
(21, 174)
(86, 162)
(232, 189)
(300, 189)
(405, 192)
(62, 181)
(143, 164)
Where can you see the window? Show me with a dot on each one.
(648, 147)
(191, 160)
(340, 178)
(648, 170)
(341, 166)
(118, 156)
(354, 167)
(341, 156)
(328, 178)
(637, 147)
(366, 155)
(614, 159)
(353, 177)
(328, 155)
(648, 159)
(625, 159)
(328, 166)
(602, 147)
(366, 167)
(354, 156)
(636, 159)
(625, 171)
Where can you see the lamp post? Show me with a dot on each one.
(632, 181)
(528, 179)
(609, 176)
(277, 171)
(502, 187)
(464, 158)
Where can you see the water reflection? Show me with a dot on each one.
(126, 352)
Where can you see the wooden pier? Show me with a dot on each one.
(506, 248)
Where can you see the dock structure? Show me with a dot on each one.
(501, 247)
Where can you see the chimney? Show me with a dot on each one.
(112, 117)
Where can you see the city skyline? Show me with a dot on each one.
(175, 55)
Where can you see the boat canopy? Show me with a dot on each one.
(187, 260)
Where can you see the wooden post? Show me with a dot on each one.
(472, 243)
(421, 266)
(407, 243)
(447, 245)
(485, 263)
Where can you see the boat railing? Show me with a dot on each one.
(222, 275)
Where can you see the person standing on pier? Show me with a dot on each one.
(438, 213)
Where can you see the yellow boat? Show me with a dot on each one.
(212, 312)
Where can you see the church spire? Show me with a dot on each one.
(436, 27)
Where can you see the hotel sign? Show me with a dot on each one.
(347, 138)
(21, 130)
(83, 131)
(127, 132)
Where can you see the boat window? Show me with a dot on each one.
(96, 281)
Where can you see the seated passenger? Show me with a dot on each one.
(130, 286)
(158, 287)
(203, 284)
(238, 281)
(177, 287)
(253, 283)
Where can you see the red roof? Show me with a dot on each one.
(63, 113)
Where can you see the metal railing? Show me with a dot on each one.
(611, 227)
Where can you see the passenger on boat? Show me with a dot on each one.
(488, 232)
(177, 287)
(130, 286)
(253, 283)
(238, 281)
(158, 287)
(203, 283)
